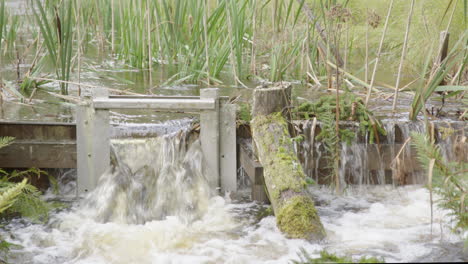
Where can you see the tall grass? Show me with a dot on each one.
(2, 22)
(56, 27)
(194, 40)
(433, 76)
(205, 41)
(9, 25)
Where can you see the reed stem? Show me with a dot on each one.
(403, 54)
(379, 52)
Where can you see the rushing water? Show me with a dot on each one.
(154, 206)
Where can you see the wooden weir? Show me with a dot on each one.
(217, 136)
(86, 144)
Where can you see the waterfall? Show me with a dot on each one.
(150, 179)
(362, 163)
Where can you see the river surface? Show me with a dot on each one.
(155, 206)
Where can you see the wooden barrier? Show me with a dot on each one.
(217, 136)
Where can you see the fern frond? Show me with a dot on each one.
(30, 205)
(447, 181)
(10, 195)
(5, 141)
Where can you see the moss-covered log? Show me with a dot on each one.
(284, 178)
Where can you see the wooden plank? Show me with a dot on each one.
(36, 123)
(161, 104)
(228, 148)
(224, 98)
(259, 194)
(83, 140)
(101, 137)
(27, 154)
(252, 167)
(93, 143)
(254, 171)
(209, 136)
(38, 131)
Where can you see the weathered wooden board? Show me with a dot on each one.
(227, 133)
(29, 154)
(38, 131)
(253, 169)
(39, 145)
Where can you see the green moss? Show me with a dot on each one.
(326, 257)
(244, 112)
(264, 212)
(298, 218)
(284, 161)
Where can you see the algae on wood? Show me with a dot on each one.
(284, 178)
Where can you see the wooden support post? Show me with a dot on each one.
(227, 158)
(209, 136)
(255, 172)
(93, 142)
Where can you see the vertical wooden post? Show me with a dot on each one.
(227, 158)
(93, 141)
(83, 144)
(209, 137)
(101, 136)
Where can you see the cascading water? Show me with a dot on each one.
(154, 206)
(151, 179)
(362, 163)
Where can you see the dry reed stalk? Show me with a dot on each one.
(379, 52)
(79, 40)
(85, 85)
(231, 55)
(70, 98)
(403, 54)
(366, 67)
(253, 68)
(148, 31)
(205, 35)
(345, 63)
(112, 27)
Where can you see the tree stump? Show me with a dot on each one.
(294, 209)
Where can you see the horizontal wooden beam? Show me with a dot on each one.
(38, 131)
(159, 97)
(45, 154)
(161, 104)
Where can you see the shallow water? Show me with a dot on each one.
(155, 207)
(374, 221)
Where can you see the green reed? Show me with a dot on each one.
(56, 25)
(433, 76)
(201, 40)
(2, 21)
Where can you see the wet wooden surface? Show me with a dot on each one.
(39, 145)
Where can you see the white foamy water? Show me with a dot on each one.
(377, 221)
(155, 207)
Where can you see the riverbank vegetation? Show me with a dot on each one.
(363, 47)
(446, 179)
(19, 198)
